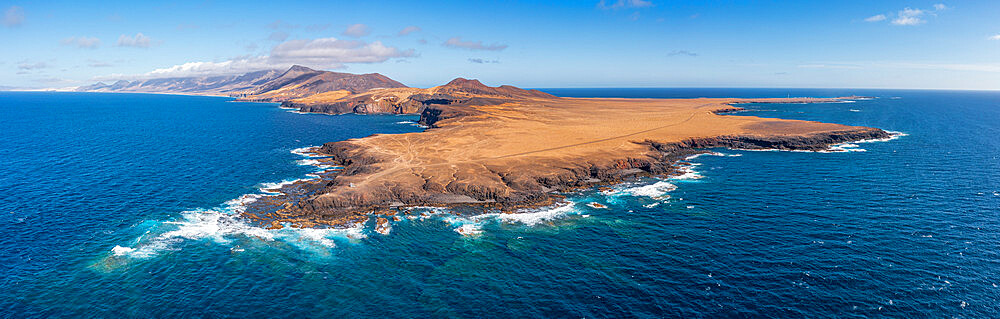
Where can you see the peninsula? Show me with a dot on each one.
(493, 148)
(504, 148)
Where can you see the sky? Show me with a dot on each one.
(944, 44)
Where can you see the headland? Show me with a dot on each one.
(505, 148)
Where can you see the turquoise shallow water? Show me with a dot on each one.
(118, 205)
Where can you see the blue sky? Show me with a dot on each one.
(611, 43)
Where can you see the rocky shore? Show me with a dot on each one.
(503, 148)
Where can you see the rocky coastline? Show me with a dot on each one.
(373, 179)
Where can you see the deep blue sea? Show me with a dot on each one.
(121, 205)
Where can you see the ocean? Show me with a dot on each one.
(122, 205)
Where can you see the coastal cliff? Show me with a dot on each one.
(503, 148)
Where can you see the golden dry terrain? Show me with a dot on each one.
(517, 147)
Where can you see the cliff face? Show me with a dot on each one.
(506, 148)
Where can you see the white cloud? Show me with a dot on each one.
(483, 61)
(138, 41)
(324, 53)
(876, 18)
(14, 16)
(620, 4)
(909, 16)
(278, 36)
(457, 42)
(235, 66)
(408, 30)
(829, 66)
(317, 27)
(995, 37)
(357, 30)
(82, 42)
(98, 64)
(681, 52)
(332, 52)
(278, 24)
(24, 65)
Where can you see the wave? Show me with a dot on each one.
(469, 230)
(854, 147)
(843, 147)
(223, 223)
(222, 227)
(534, 217)
(473, 225)
(893, 135)
(306, 162)
(413, 123)
(687, 172)
(308, 151)
(275, 188)
(703, 154)
(656, 190)
(851, 146)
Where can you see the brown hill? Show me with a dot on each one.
(269, 85)
(459, 91)
(204, 85)
(300, 81)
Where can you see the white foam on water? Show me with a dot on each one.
(224, 223)
(308, 162)
(529, 217)
(308, 151)
(844, 147)
(704, 154)
(121, 251)
(854, 147)
(892, 136)
(406, 122)
(222, 228)
(655, 190)
(688, 173)
(239, 204)
(275, 188)
(536, 217)
(469, 230)
(319, 236)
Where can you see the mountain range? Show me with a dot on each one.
(265, 86)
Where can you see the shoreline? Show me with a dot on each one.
(313, 208)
